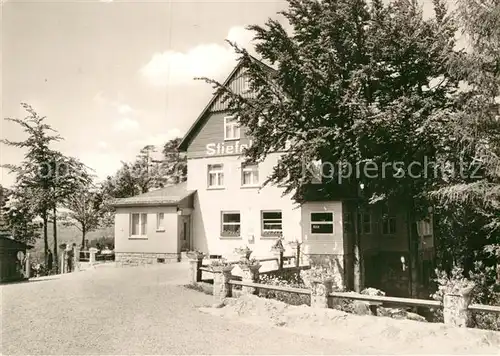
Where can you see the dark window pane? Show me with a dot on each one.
(321, 228)
(270, 226)
(271, 215)
(317, 217)
(231, 228)
(392, 226)
(231, 217)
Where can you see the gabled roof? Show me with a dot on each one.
(200, 121)
(19, 244)
(168, 196)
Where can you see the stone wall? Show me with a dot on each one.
(130, 258)
(335, 264)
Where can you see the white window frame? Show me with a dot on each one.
(226, 124)
(387, 221)
(142, 234)
(272, 221)
(254, 170)
(332, 223)
(160, 227)
(219, 175)
(361, 217)
(222, 223)
(425, 227)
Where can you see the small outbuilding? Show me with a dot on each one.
(12, 256)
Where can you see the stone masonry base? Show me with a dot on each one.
(129, 258)
(335, 264)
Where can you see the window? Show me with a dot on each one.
(215, 175)
(160, 217)
(249, 175)
(231, 224)
(138, 224)
(424, 227)
(322, 223)
(365, 226)
(347, 222)
(272, 222)
(231, 128)
(389, 225)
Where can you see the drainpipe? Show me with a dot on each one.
(358, 266)
(410, 251)
(357, 252)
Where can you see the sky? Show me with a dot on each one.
(113, 76)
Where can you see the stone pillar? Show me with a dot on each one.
(92, 253)
(195, 271)
(297, 256)
(63, 261)
(27, 266)
(320, 289)
(455, 308)
(250, 274)
(222, 288)
(76, 258)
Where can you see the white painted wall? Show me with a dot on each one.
(323, 243)
(208, 205)
(155, 241)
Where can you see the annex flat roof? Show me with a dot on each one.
(169, 196)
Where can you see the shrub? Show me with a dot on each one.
(486, 292)
(456, 282)
(373, 291)
(292, 281)
(200, 287)
(321, 273)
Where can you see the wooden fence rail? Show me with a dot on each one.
(383, 299)
(456, 308)
(484, 308)
(270, 287)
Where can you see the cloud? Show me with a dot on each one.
(124, 109)
(205, 60)
(158, 139)
(121, 107)
(104, 164)
(240, 35)
(125, 124)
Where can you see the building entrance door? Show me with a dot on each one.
(185, 233)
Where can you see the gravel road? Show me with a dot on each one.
(138, 310)
(134, 310)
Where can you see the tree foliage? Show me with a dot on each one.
(147, 173)
(17, 218)
(87, 211)
(471, 205)
(34, 177)
(374, 84)
(352, 84)
(475, 122)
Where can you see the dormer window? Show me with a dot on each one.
(231, 128)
